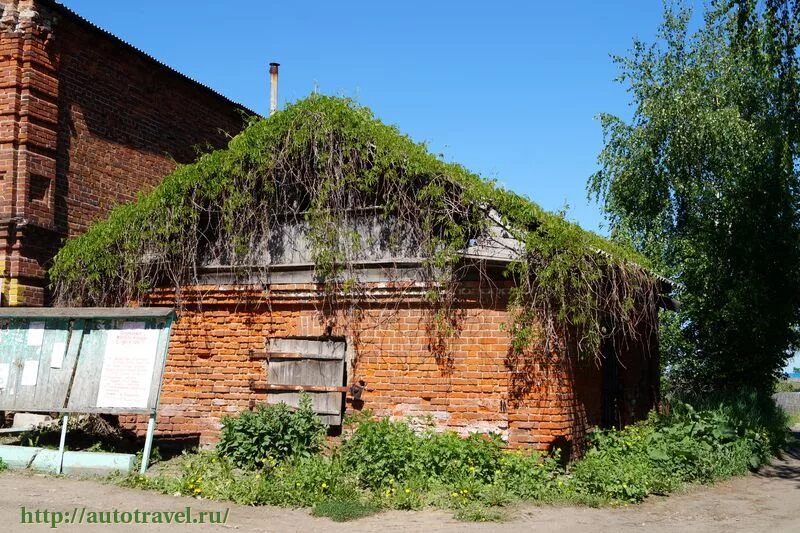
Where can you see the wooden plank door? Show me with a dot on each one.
(316, 367)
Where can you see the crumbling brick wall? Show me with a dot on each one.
(86, 122)
(472, 385)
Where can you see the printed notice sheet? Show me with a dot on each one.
(35, 333)
(30, 373)
(5, 369)
(57, 355)
(130, 358)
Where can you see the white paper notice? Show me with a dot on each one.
(130, 358)
(5, 368)
(30, 372)
(35, 333)
(57, 355)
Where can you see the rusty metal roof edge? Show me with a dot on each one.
(86, 312)
(494, 217)
(64, 10)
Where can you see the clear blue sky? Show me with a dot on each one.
(509, 89)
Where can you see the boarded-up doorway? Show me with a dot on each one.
(315, 366)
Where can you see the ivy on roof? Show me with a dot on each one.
(321, 160)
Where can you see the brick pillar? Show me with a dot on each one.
(28, 140)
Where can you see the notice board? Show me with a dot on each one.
(87, 360)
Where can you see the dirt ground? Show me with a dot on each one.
(766, 501)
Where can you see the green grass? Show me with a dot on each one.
(786, 385)
(477, 512)
(344, 510)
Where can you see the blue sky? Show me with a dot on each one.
(509, 89)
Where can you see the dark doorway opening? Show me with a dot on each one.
(611, 395)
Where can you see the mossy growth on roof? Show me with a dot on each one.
(324, 162)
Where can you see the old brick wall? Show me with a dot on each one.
(86, 122)
(472, 386)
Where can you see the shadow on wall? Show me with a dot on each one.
(444, 326)
(124, 122)
(532, 374)
(614, 391)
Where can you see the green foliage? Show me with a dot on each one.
(386, 465)
(271, 433)
(529, 476)
(479, 513)
(315, 164)
(383, 452)
(749, 411)
(299, 481)
(155, 455)
(656, 456)
(344, 510)
(3, 465)
(784, 385)
(687, 446)
(304, 481)
(448, 457)
(705, 180)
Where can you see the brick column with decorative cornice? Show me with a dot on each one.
(87, 121)
(28, 140)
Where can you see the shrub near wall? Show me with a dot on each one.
(384, 452)
(270, 434)
(687, 446)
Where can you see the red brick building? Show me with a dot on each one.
(257, 323)
(216, 365)
(86, 122)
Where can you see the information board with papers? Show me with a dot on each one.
(102, 360)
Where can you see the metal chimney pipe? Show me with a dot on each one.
(273, 88)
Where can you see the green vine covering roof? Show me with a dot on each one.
(318, 161)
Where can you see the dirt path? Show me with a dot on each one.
(768, 501)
